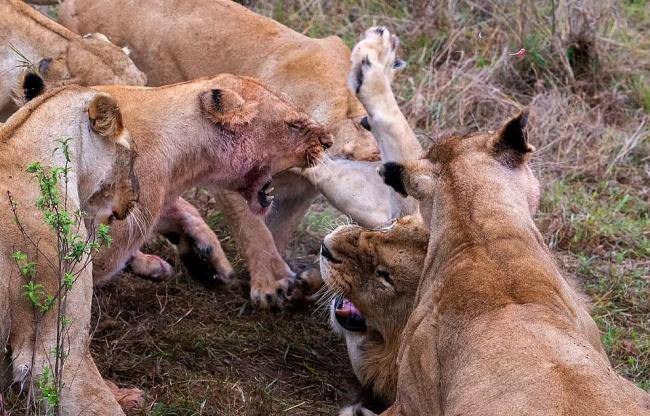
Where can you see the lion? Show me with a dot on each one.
(221, 132)
(60, 56)
(374, 276)
(103, 186)
(227, 37)
(496, 329)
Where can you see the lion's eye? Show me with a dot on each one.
(294, 126)
(384, 277)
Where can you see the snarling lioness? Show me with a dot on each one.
(103, 186)
(225, 132)
(57, 54)
(227, 37)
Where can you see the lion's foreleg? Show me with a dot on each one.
(272, 280)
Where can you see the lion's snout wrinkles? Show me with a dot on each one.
(319, 141)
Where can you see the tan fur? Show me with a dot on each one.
(398, 249)
(227, 37)
(496, 328)
(102, 185)
(60, 55)
(185, 140)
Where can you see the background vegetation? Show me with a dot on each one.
(585, 77)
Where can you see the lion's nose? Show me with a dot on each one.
(364, 123)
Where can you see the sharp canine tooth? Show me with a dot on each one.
(269, 190)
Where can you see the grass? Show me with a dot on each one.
(585, 79)
(605, 227)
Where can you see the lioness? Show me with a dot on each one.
(223, 132)
(102, 185)
(374, 275)
(226, 37)
(496, 328)
(59, 55)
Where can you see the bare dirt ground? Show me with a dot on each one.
(585, 77)
(199, 351)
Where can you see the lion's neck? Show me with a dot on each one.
(379, 365)
(175, 165)
(487, 254)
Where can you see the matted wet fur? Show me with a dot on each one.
(102, 184)
(31, 41)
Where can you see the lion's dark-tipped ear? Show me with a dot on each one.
(226, 107)
(106, 119)
(391, 173)
(414, 178)
(31, 86)
(511, 146)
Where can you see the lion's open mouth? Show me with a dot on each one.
(264, 196)
(257, 190)
(347, 315)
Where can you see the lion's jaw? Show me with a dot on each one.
(358, 264)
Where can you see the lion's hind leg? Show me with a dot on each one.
(198, 246)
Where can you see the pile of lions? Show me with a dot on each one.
(447, 297)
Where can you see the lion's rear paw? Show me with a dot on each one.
(128, 399)
(150, 267)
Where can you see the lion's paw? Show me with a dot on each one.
(150, 267)
(306, 285)
(374, 63)
(272, 294)
(128, 399)
(205, 267)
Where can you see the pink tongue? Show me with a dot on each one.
(347, 309)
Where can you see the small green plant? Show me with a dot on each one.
(73, 253)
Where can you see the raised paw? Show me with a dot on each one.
(150, 267)
(374, 63)
(128, 399)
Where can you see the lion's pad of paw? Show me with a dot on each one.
(130, 399)
(273, 294)
(151, 267)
